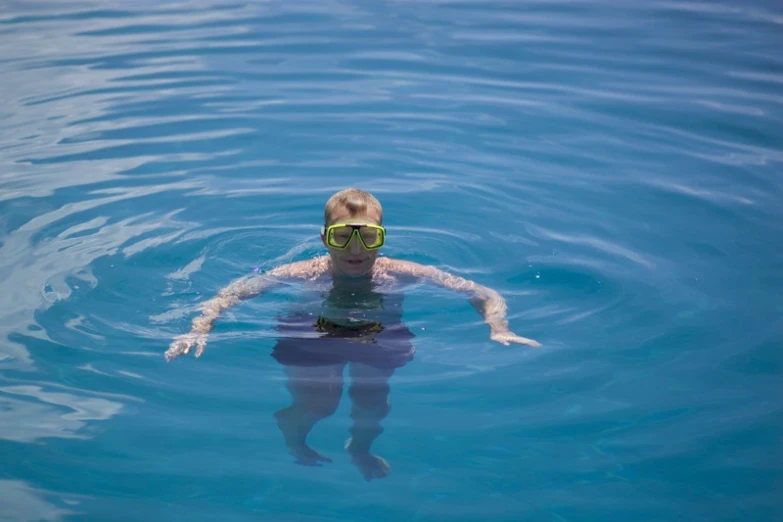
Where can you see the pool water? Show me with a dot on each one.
(612, 168)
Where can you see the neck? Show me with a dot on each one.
(346, 278)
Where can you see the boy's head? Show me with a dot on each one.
(352, 203)
(352, 206)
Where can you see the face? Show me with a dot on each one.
(355, 260)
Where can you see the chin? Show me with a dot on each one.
(356, 271)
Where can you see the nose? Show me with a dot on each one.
(355, 247)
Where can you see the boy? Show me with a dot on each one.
(358, 322)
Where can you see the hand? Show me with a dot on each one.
(183, 343)
(507, 337)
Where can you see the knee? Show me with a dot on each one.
(375, 398)
(323, 406)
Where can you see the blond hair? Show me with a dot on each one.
(355, 201)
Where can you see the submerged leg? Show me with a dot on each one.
(315, 393)
(369, 392)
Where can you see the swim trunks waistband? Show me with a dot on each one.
(331, 329)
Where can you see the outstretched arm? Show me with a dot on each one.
(239, 290)
(488, 302)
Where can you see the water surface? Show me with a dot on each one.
(613, 169)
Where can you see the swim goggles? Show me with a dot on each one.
(340, 236)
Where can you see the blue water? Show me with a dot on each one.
(612, 168)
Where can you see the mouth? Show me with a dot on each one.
(354, 262)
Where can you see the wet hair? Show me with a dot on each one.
(355, 201)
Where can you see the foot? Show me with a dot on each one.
(307, 456)
(371, 466)
(295, 440)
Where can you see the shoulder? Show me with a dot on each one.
(254, 284)
(307, 269)
(392, 266)
(429, 273)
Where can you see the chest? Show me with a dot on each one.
(357, 306)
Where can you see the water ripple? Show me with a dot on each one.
(611, 168)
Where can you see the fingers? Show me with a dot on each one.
(499, 338)
(179, 347)
(183, 344)
(529, 342)
(174, 351)
(201, 343)
(507, 339)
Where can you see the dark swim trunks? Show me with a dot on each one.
(306, 340)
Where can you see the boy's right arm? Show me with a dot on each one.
(239, 290)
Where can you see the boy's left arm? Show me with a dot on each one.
(488, 302)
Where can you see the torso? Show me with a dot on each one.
(361, 304)
(354, 303)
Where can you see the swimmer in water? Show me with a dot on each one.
(357, 323)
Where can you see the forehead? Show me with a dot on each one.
(343, 215)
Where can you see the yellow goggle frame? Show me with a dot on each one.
(371, 236)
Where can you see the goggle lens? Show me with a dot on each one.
(371, 236)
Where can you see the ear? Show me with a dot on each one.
(323, 236)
